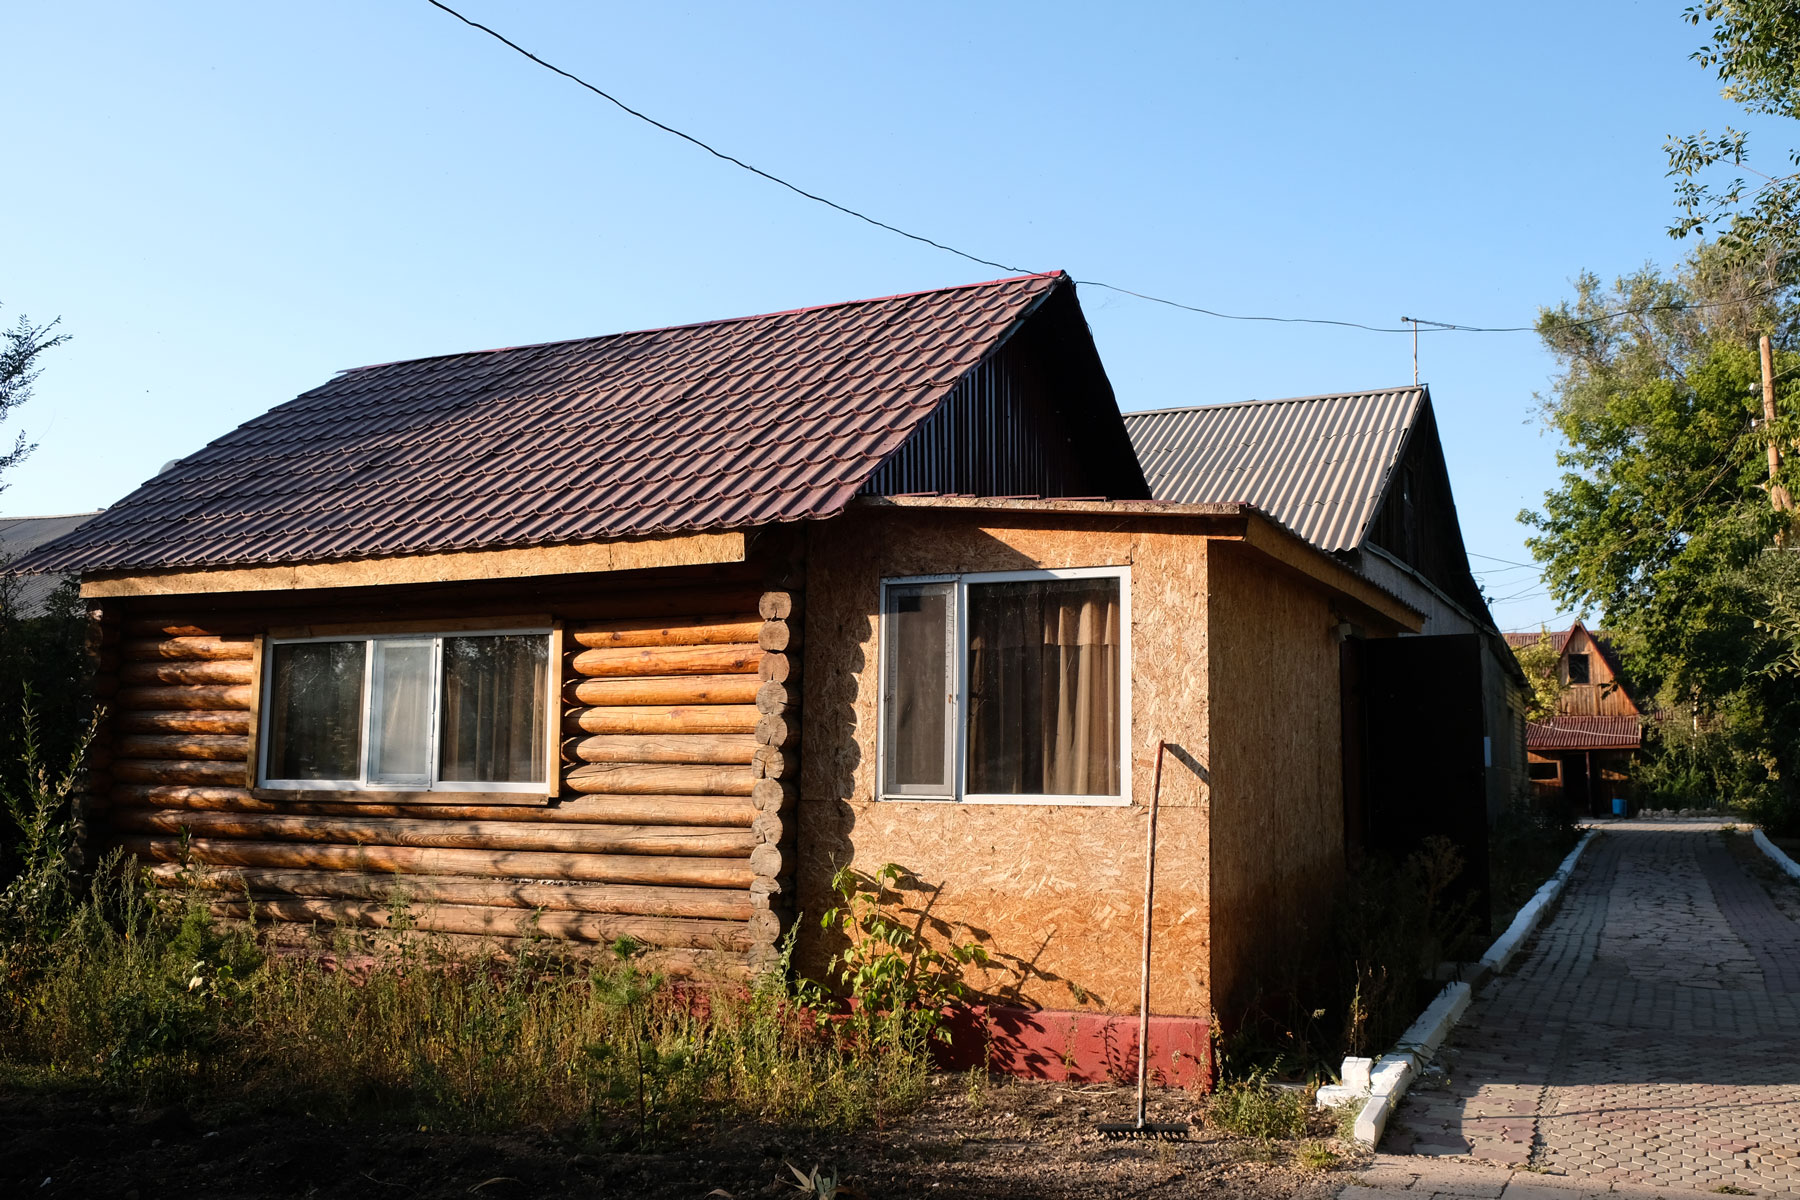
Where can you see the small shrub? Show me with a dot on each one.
(1253, 1108)
(1316, 1156)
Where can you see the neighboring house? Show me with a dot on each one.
(1583, 754)
(1435, 722)
(28, 594)
(649, 634)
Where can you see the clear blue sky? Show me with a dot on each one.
(226, 203)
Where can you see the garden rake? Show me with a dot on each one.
(1143, 1127)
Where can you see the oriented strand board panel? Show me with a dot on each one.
(1054, 892)
(1277, 815)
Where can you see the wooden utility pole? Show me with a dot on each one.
(1778, 495)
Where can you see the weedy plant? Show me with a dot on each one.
(1254, 1108)
(140, 989)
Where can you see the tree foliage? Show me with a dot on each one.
(1753, 46)
(25, 345)
(1663, 517)
(1539, 661)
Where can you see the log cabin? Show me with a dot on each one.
(1582, 754)
(648, 634)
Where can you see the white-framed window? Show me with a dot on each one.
(450, 712)
(1006, 687)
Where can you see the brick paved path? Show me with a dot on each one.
(1651, 1035)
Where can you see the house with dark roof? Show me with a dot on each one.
(1582, 755)
(1434, 720)
(648, 634)
(30, 595)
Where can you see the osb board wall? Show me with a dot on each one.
(655, 832)
(1053, 892)
(1277, 812)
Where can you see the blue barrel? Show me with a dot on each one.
(1618, 806)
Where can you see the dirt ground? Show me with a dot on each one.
(1009, 1139)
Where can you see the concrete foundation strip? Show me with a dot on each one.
(1774, 852)
(1380, 1084)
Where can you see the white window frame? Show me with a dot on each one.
(433, 783)
(959, 680)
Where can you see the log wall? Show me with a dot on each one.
(670, 824)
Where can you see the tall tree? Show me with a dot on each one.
(1663, 517)
(1753, 46)
(25, 344)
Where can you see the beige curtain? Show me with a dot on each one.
(1044, 682)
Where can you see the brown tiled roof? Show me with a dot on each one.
(1583, 733)
(727, 423)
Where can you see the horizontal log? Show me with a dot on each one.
(504, 922)
(769, 826)
(447, 835)
(193, 721)
(710, 630)
(767, 861)
(727, 812)
(772, 762)
(106, 662)
(207, 697)
(777, 667)
(653, 778)
(166, 771)
(778, 605)
(779, 636)
(661, 718)
(773, 697)
(778, 729)
(660, 871)
(764, 928)
(165, 626)
(773, 795)
(662, 748)
(715, 903)
(212, 747)
(210, 648)
(730, 659)
(701, 967)
(674, 690)
(236, 670)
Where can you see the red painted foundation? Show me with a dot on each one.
(1078, 1047)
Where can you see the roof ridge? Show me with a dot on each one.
(782, 312)
(1188, 408)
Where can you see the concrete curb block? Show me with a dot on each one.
(1508, 943)
(1774, 852)
(1394, 1072)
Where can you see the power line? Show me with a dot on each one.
(1413, 323)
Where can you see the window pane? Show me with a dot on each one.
(493, 726)
(400, 713)
(1044, 688)
(916, 677)
(315, 711)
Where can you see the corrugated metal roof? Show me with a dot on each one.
(1318, 464)
(727, 423)
(19, 536)
(1584, 733)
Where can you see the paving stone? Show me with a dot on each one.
(1648, 1040)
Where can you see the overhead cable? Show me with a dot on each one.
(1412, 326)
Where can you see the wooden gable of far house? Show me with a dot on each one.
(1604, 694)
(1417, 523)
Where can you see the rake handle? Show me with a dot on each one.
(1144, 985)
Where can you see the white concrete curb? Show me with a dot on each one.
(1508, 943)
(1773, 851)
(1393, 1074)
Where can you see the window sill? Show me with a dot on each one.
(417, 796)
(1044, 801)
